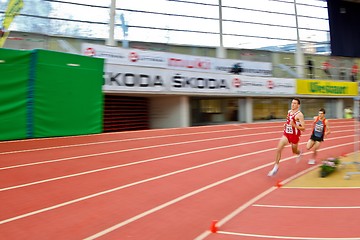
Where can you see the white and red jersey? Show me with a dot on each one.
(291, 132)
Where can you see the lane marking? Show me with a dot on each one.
(141, 148)
(256, 198)
(148, 180)
(128, 139)
(147, 147)
(150, 160)
(321, 188)
(133, 149)
(221, 222)
(335, 122)
(160, 207)
(283, 237)
(132, 163)
(304, 207)
(141, 138)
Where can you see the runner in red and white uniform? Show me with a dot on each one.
(320, 129)
(291, 132)
(293, 127)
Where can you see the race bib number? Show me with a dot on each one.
(318, 128)
(288, 129)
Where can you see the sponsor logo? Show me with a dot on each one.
(316, 87)
(244, 70)
(185, 63)
(270, 84)
(110, 55)
(133, 57)
(89, 52)
(133, 80)
(179, 81)
(237, 82)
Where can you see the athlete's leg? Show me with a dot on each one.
(316, 147)
(295, 149)
(282, 143)
(310, 144)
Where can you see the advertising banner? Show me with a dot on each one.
(134, 79)
(323, 87)
(174, 61)
(263, 86)
(125, 56)
(145, 79)
(198, 82)
(248, 68)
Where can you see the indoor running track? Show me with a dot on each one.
(172, 184)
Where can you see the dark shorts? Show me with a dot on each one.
(316, 139)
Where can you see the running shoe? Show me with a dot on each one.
(299, 157)
(273, 171)
(311, 161)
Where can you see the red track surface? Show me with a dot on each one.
(171, 184)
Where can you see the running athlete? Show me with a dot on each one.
(320, 130)
(293, 127)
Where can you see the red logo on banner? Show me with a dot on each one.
(270, 84)
(237, 82)
(133, 57)
(89, 52)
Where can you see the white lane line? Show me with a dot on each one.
(166, 130)
(142, 148)
(138, 162)
(159, 177)
(284, 237)
(128, 140)
(152, 179)
(148, 160)
(322, 188)
(137, 139)
(258, 197)
(135, 149)
(305, 207)
(160, 207)
(221, 222)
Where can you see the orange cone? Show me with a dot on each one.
(213, 227)
(279, 183)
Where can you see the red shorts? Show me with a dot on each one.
(292, 138)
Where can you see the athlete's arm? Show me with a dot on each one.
(327, 128)
(300, 119)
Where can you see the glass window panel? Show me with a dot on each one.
(264, 5)
(259, 30)
(72, 11)
(259, 17)
(239, 28)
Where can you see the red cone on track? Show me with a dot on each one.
(279, 183)
(343, 155)
(213, 227)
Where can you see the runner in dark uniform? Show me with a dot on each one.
(321, 129)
